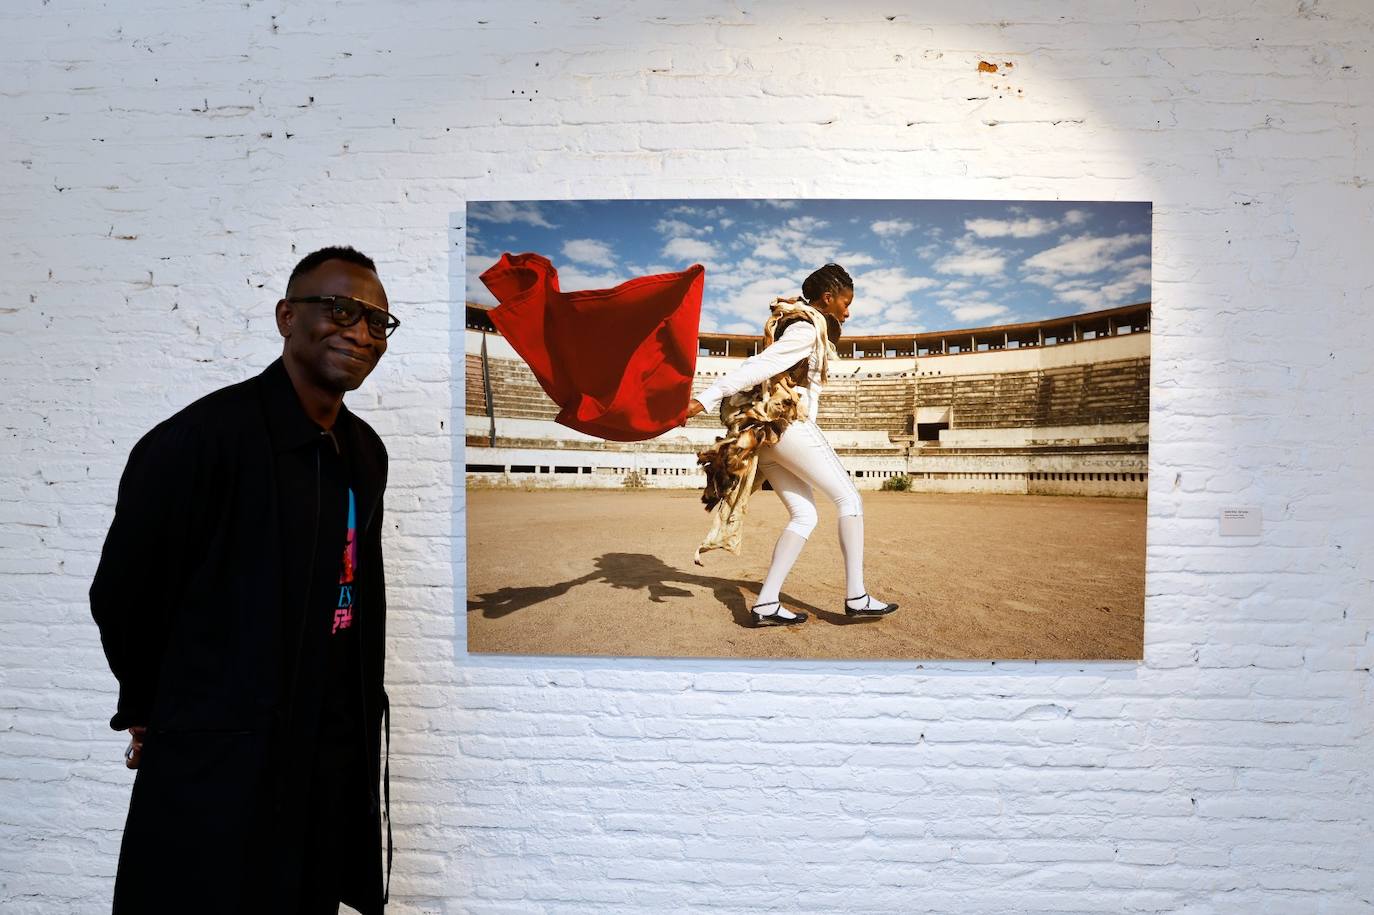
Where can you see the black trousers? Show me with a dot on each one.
(338, 807)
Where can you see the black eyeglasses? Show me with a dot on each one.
(346, 312)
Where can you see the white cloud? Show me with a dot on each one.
(676, 228)
(750, 300)
(734, 327)
(1088, 298)
(1015, 228)
(805, 224)
(571, 277)
(1076, 217)
(575, 279)
(746, 270)
(1085, 254)
(689, 250)
(508, 211)
(900, 324)
(882, 304)
(646, 269)
(817, 253)
(883, 297)
(782, 204)
(699, 212)
(973, 261)
(889, 228)
(589, 251)
(973, 308)
(888, 286)
(1130, 288)
(795, 240)
(977, 311)
(476, 263)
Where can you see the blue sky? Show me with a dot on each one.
(918, 265)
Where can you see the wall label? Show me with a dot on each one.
(1241, 522)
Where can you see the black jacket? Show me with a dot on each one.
(189, 599)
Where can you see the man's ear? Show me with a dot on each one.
(286, 314)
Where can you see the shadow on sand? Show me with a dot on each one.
(635, 571)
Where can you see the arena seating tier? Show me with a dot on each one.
(1077, 395)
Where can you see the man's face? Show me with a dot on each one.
(334, 358)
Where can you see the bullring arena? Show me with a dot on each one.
(1004, 472)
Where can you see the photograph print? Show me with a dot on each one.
(840, 429)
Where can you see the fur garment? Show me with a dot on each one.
(754, 418)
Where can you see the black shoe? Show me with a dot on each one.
(774, 619)
(850, 611)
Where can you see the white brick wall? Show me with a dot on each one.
(160, 160)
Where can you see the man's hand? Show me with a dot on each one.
(693, 408)
(134, 754)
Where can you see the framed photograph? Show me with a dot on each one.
(942, 404)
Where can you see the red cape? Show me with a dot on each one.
(618, 362)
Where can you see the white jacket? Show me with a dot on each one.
(797, 342)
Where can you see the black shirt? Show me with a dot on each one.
(319, 613)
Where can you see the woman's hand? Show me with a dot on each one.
(694, 407)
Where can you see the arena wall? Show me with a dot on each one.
(995, 401)
(166, 163)
(1079, 352)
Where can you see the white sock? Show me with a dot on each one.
(785, 553)
(852, 546)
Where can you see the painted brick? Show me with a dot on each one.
(163, 158)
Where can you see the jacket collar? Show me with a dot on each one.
(289, 427)
(287, 423)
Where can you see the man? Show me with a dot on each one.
(241, 605)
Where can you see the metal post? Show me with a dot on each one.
(486, 390)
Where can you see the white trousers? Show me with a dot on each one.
(803, 461)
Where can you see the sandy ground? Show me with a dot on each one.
(977, 576)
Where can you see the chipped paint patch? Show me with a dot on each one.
(985, 67)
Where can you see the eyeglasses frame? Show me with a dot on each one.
(392, 322)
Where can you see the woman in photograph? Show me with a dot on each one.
(769, 405)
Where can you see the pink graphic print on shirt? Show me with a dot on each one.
(343, 611)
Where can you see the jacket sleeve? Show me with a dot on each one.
(370, 559)
(145, 557)
(794, 345)
(375, 542)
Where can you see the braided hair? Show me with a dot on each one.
(831, 278)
